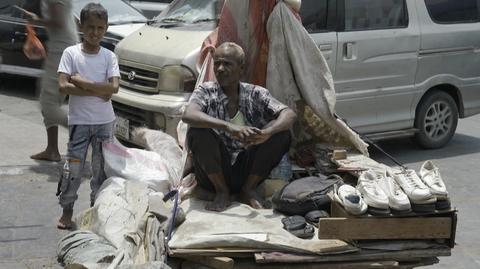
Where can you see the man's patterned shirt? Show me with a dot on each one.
(255, 102)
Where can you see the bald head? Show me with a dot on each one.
(233, 50)
(228, 63)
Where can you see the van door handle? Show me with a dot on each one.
(348, 51)
(17, 33)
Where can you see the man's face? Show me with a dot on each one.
(94, 28)
(226, 67)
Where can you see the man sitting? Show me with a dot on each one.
(238, 132)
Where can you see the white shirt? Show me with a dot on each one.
(89, 110)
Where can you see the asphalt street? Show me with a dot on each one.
(29, 209)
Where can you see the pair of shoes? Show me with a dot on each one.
(397, 199)
(298, 226)
(430, 175)
(350, 198)
(376, 199)
(421, 198)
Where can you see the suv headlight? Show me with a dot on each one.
(176, 78)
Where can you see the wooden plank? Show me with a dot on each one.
(364, 255)
(233, 253)
(337, 211)
(385, 228)
(337, 265)
(451, 241)
(213, 262)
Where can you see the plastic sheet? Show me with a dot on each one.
(140, 165)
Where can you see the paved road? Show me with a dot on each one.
(29, 208)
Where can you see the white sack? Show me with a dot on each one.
(137, 164)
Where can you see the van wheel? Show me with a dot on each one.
(436, 120)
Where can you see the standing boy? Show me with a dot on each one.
(89, 74)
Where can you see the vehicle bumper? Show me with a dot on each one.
(157, 111)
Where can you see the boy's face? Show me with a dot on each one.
(93, 30)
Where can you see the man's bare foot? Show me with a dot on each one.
(253, 199)
(47, 156)
(65, 222)
(220, 203)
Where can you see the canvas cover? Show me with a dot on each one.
(281, 56)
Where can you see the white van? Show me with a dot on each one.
(401, 67)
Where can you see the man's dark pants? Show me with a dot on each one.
(210, 156)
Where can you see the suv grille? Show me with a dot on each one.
(138, 79)
(136, 116)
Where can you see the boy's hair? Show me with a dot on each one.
(93, 9)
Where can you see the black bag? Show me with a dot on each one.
(305, 194)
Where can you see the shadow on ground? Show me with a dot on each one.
(405, 150)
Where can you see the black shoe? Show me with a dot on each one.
(313, 217)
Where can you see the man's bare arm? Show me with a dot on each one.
(98, 88)
(57, 12)
(283, 122)
(195, 117)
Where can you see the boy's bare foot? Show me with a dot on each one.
(219, 204)
(65, 222)
(252, 198)
(47, 156)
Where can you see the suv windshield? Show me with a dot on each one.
(119, 12)
(190, 11)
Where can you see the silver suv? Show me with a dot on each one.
(401, 67)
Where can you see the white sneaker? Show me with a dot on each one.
(397, 199)
(350, 199)
(371, 192)
(431, 177)
(413, 186)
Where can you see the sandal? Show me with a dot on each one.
(314, 216)
(294, 223)
(306, 233)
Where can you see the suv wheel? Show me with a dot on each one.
(436, 120)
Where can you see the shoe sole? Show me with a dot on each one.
(423, 208)
(378, 211)
(401, 212)
(443, 204)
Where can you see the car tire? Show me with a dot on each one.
(436, 120)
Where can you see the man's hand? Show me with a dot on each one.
(31, 17)
(259, 138)
(241, 133)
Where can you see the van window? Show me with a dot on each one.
(453, 11)
(375, 14)
(314, 15)
(119, 13)
(190, 11)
